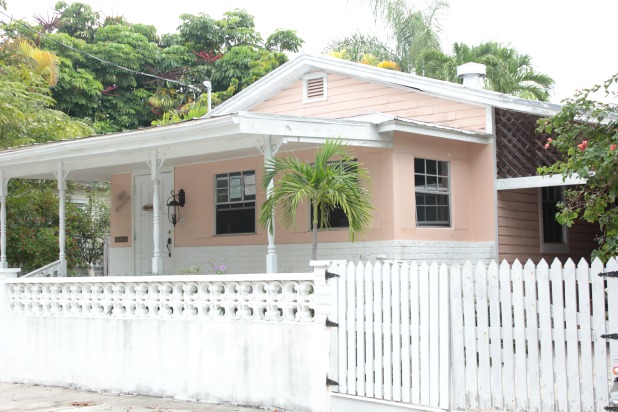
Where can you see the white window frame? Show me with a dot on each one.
(312, 76)
(446, 193)
(546, 247)
(243, 190)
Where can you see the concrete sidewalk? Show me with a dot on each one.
(16, 397)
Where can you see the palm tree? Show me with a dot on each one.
(333, 180)
(411, 32)
(508, 71)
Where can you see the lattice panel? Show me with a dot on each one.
(520, 150)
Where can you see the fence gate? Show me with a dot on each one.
(392, 339)
(476, 337)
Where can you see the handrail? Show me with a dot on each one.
(50, 270)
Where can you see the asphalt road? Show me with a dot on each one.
(23, 397)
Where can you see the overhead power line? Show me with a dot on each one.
(137, 72)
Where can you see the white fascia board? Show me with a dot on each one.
(435, 131)
(113, 149)
(307, 129)
(295, 69)
(538, 181)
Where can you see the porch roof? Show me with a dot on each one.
(229, 136)
(200, 140)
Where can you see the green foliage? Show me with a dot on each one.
(32, 226)
(585, 132)
(91, 224)
(508, 71)
(327, 183)
(228, 51)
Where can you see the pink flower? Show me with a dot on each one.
(549, 140)
(612, 147)
(583, 145)
(547, 145)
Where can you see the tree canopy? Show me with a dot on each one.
(414, 45)
(165, 72)
(585, 133)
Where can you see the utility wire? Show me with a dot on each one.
(98, 58)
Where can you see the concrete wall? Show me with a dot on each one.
(271, 364)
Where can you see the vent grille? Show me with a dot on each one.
(315, 88)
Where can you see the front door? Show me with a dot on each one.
(143, 212)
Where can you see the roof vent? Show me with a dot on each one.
(314, 87)
(472, 74)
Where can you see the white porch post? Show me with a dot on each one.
(157, 261)
(61, 175)
(3, 191)
(269, 149)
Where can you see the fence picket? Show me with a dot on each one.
(545, 337)
(424, 331)
(396, 362)
(572, 365)
(585, 337)
(601, 394)
(612, 311)
(470, 335)
(369, 313)
(387, 332)
(377, 311)
(414, 334)
(519, 328)
(557, 293)
(493, 294)
(405, 333)
(434, 335)
(351, 322)
(359, 278)
(458, 376)
(482, 336)
(508, 384)
(532, 337)
(443, 335)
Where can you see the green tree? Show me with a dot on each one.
(411, 32)
(333, 180)
(585, 132)
(508, 71)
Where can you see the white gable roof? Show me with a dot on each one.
(295, 69)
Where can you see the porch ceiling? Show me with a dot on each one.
(218, 138)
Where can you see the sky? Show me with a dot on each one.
(573, 41)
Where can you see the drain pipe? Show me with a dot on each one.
(208, 86)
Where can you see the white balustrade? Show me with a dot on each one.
(275, 300)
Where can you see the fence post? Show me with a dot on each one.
(325, 305)
(4, 298)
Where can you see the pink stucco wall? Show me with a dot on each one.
(352, 97)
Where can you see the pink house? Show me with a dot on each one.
(453, 169)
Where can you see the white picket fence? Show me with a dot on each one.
(477, 337)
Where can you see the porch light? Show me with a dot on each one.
(174, 203)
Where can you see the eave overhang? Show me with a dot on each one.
(216, 138)
(532, 182)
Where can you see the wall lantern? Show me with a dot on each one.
(174, 203)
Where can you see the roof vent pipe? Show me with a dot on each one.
(473, 74)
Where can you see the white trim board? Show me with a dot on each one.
(538, 181)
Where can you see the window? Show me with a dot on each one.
(235, 202)
(554, 234)
(431, 183)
